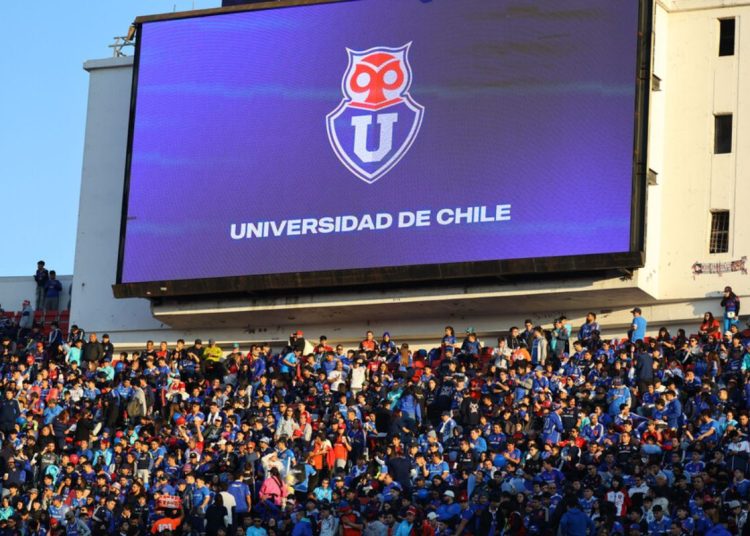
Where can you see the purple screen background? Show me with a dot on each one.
(526, 103)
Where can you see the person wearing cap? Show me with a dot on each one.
(449, 511)
(26, 322)
(74, 526)
(637, 330)
(297, 341)
(731, 304)
(617, 395)
(553, 426)
(351, 525)
(409, 523)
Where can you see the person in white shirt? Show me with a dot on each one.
(229, 504)
(358, 375)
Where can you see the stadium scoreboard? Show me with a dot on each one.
(308, 144)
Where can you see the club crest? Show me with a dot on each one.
(377, 121)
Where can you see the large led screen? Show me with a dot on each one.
(380, 133)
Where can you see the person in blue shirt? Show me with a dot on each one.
(550, 474)
(289, 362)
(51, 411)
(302, 526)
(695, 466)
(638, 328)
(575, 523)
(52, 290)
(541, 382)
(496, 438)
(449, 511)
(449, 340)
(619, 394)
(387, 345)
(324, 491)
(470, 346)
(553, 426)
(437, 467)
(477, 442)
(407, 525)
(242, 498)
(593, 431)
(672, 410)
(661, 524)
(708, 429)
(588, 328)
(410, 407)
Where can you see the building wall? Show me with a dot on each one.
(690, 182)
(696, 84)
(14, 290)
(102, 176)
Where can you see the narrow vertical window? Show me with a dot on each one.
(722, 133)
(726, 37)
(719, 242)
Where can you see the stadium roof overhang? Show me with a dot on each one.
(362, 306)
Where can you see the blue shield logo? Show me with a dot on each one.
(377, 121)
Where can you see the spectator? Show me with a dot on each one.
(27, 320)
(731, 304)
(638, 328)
(710, 328)
(274, 489)
(9, 413)
(41, 276)
(52, 291)
(576, 523)
(92, 352)
(588, 329)
(644, 368)
(215, 516)
(471, 443)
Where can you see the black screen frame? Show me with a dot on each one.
(384, 276)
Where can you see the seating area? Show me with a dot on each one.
(43, 318)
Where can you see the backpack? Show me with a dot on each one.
(134, 409)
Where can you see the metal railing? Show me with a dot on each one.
(120, 43)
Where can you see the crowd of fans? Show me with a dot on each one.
(542, 432)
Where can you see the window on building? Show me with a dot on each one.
(719, 242)
(726, 37)
(722, 133)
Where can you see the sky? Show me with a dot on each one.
(43, 114)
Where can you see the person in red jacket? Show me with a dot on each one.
(618, 496)
(369, 344)
(710, 327)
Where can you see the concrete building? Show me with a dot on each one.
(696, 221)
